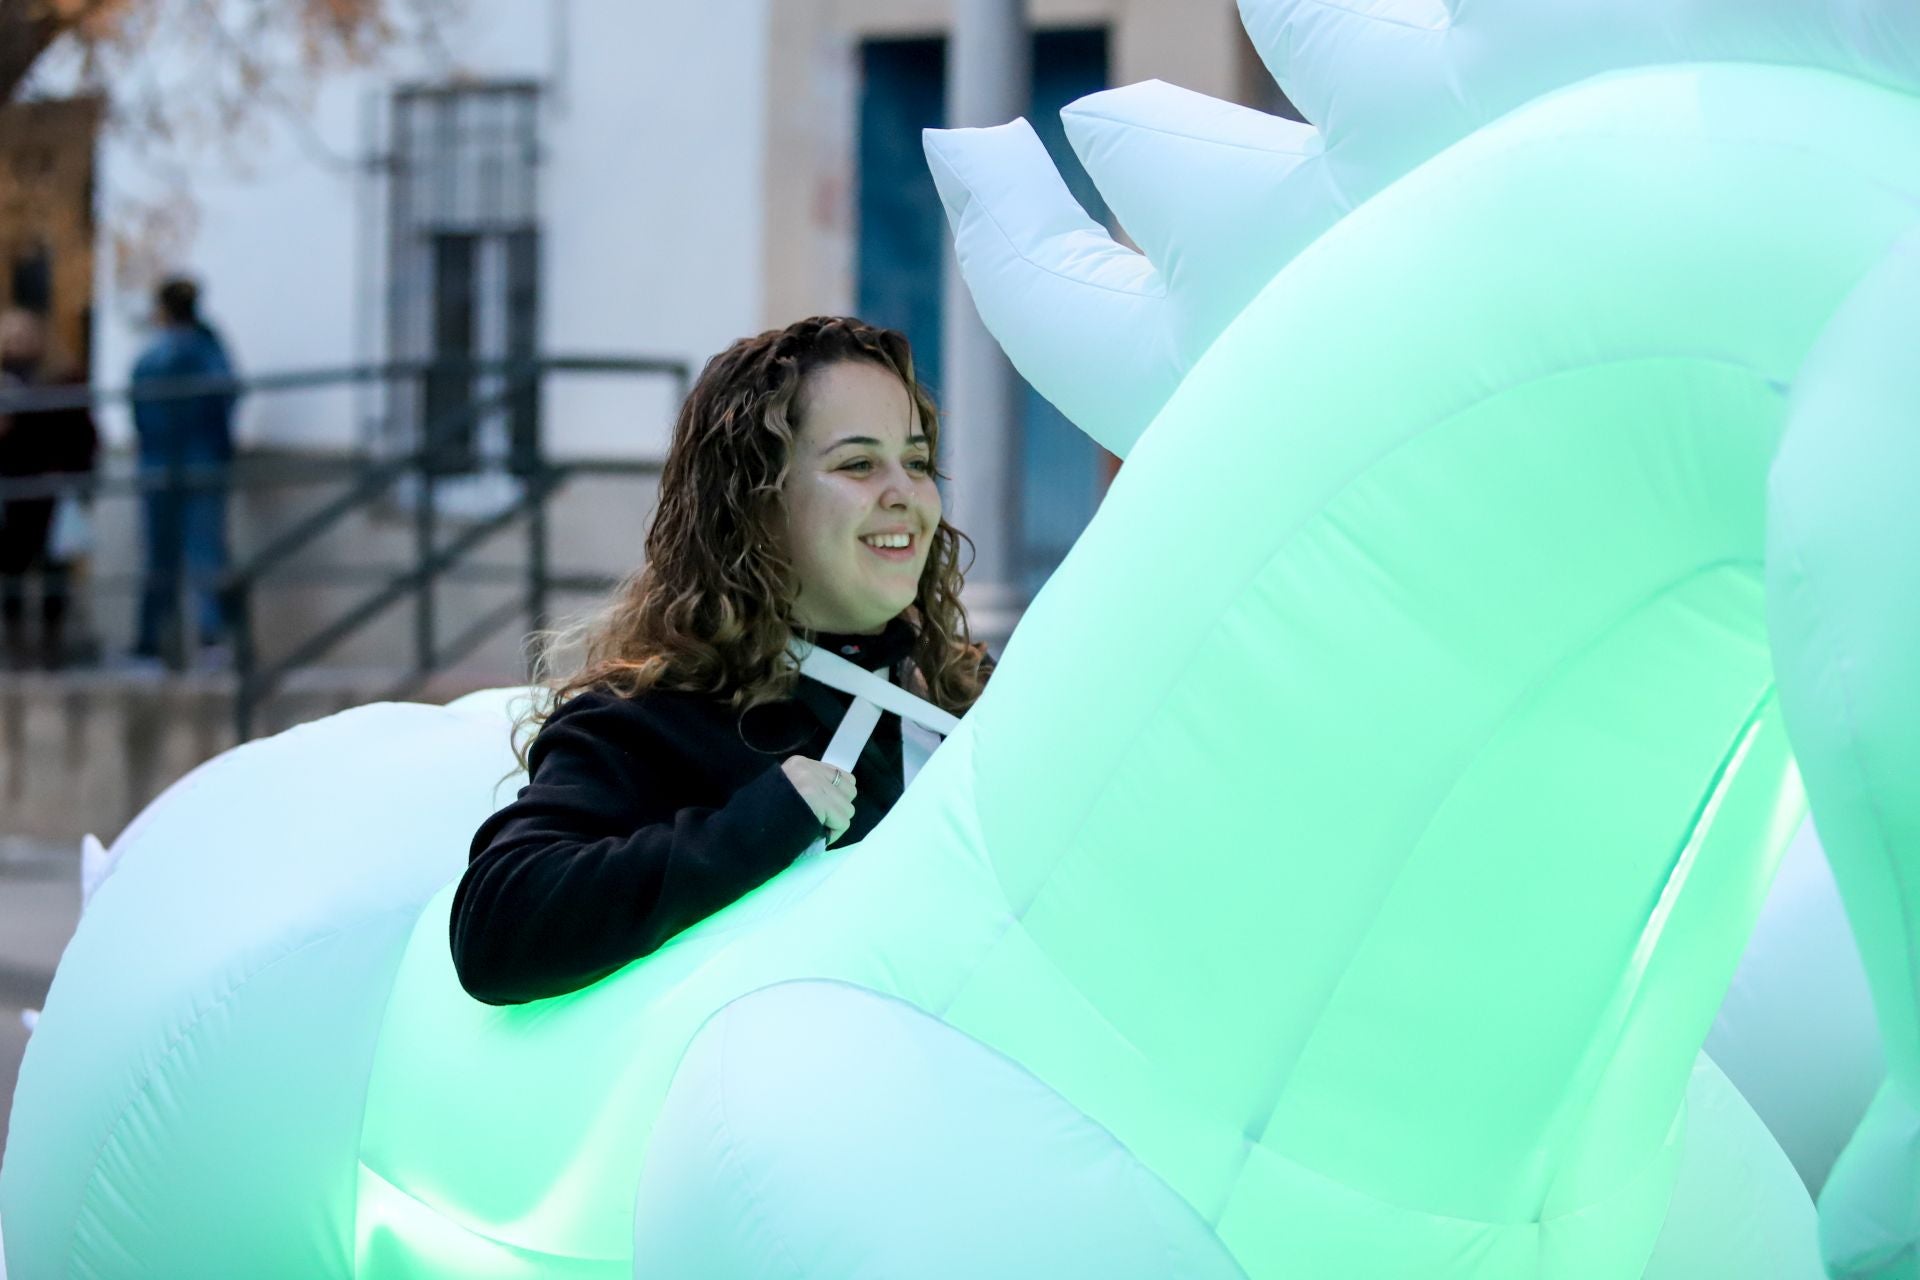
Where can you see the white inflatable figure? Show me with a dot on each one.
(1220, 197)
(96, 863)
(1389, 85)
(1357, 842)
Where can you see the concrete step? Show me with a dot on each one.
(84, 751)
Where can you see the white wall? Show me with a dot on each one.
(655, 199)
(653, 115)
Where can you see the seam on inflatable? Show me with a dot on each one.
(1134, 125)
(1337, 6)
(730, 1150)
(508, 1245)
(1536, 688)
(1286, 538)
(992, 1051)
(1873, 807)
(1515, 146)
(1008, 924)
(959, 737)
(172, 1047)
(1850, 720)
(986, 211)
(1907, 195)
(1434, 1215)
(1749, 727)
(1477, 111)
(1284, 541)
(360, 1137)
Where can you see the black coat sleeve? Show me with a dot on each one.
(595, 864)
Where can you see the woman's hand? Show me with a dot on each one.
(828, 792)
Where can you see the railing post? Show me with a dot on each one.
(424, 537)
(537, 568)
(239, 609)
(173, 644)
(537, 534)
(164, 590)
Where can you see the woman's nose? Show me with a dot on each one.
(898, 491)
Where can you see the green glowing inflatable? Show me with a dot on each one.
(1346, 866)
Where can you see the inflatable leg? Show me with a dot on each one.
(1867, 1223)
(1843, 537)
(1738, 1207)
(1796, 1033)
(816, 1129)
(204, 1050)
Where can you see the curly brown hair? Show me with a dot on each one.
(711, 608)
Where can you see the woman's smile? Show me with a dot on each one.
(896, 547)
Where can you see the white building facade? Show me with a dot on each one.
(609, 177)
(578, 176)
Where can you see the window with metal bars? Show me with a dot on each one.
(465, 279)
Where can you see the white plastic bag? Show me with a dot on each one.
(70, 537)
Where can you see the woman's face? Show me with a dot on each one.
(861, 503)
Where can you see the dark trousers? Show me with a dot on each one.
(24, 525)
(186, 548)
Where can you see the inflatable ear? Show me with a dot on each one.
(1056, 282)
(95, 863)
(1219, 197)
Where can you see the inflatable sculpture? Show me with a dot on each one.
(1347, 864)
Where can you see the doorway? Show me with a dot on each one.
(901, 246)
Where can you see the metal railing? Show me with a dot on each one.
(428, 466)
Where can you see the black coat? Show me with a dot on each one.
(38, 442)
(645, 815)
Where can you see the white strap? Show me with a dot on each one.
(872, 693)
(850, 739)
(836, 672)
(917, 746)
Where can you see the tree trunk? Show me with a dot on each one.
(27, 27)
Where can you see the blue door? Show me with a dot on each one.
(901, 247)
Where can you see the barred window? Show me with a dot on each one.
(466, 271)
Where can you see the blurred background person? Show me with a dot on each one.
(186, 444)
(41, 534)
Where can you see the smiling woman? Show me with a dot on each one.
(680, 766)
(861, 503)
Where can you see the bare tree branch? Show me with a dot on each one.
(27, 29)
(231, 70)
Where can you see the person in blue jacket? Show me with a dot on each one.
(187, 442)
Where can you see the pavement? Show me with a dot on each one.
(39, 907)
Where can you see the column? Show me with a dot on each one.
(989, 79)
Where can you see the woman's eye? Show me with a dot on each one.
(864, 465)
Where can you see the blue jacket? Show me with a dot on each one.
(192, 430)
